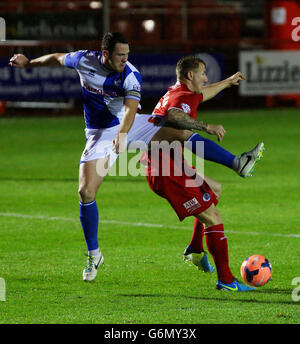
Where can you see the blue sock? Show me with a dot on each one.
(89, 220)
(212, 151)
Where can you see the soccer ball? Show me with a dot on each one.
(256, 270)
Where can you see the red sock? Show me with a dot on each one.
(217, 246)
(197, 237)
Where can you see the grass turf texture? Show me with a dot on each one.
(143, 279)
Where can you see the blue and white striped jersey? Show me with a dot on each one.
(103, 90)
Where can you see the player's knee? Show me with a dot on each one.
(211, 217)
(180, 135)
(172, 134)
(213, 221)
(184, 135)
(86, 194)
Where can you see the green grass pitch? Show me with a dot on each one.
(143, 279)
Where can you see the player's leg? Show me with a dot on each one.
(196, 243)
(91, 175)
(243, 165)
(96, 159)
(212, 151)
(90, 179)
(194, 252)
(218, 248)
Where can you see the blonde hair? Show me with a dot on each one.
(187, 64)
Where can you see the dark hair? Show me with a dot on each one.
(110, 39)
(187, 64)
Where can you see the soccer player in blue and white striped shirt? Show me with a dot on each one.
(111, 88)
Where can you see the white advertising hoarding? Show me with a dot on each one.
(270, 72)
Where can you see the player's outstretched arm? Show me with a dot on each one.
(21, 61)
(180, 120)
(212, 90)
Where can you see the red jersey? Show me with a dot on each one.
(186, 201)
(179, 97)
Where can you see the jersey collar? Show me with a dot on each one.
(181, 85)
(184, 87)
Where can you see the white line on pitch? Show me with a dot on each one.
(137, 224)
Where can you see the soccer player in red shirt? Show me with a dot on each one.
(196, 199)
(180, 105)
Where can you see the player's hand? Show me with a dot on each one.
(235, 79)
(119, 143)
(116, 144)
(217, 130)
(19, 61)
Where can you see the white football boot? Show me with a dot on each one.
(248, 160)
(91, 268)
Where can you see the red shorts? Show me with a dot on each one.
(186, 201)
